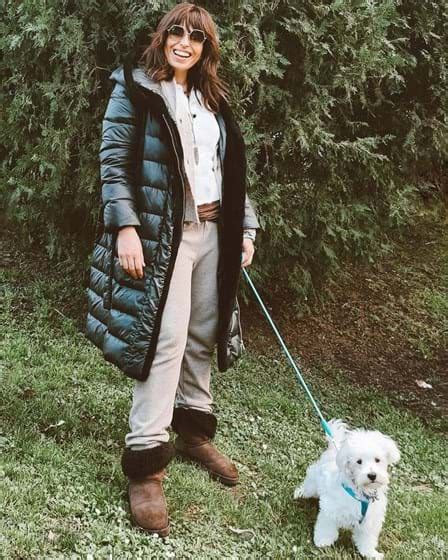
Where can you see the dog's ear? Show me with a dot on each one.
(393, 453)
(343, 458)
(339, 430)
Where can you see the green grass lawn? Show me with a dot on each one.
(63, 421)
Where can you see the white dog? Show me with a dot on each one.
(351, 480)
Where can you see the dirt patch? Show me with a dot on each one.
(379, 326)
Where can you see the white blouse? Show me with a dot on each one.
(202, 171)
(199, 133)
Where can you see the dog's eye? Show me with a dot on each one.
(359, 461)
(377, 460)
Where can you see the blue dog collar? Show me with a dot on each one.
(365, 501)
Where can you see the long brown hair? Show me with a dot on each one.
(204, 74)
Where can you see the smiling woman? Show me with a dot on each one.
(183, 48)
(177, 229)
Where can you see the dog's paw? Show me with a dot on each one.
(322, 542)
(374, 555)
(298, 492)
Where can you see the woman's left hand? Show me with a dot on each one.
(248, 252)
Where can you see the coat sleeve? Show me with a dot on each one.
(118, 162)
(250, 219)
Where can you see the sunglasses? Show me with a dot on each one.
(195, 35)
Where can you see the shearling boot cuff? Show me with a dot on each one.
(188, 422)
(141, 463)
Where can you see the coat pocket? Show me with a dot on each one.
(125, 279)
(233, 347)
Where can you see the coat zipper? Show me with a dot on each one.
(150, 353)
(179, 166)
(181, 173)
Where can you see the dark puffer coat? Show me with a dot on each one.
(143, 185)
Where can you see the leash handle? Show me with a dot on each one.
(323, 422)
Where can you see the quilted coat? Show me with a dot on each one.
(143, 185)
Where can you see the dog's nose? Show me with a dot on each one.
(371, 476)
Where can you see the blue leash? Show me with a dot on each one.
(323, 422)
(365, 500)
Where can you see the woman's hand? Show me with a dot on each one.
(248, 252)
(130, 252)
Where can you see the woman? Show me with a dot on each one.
(177, 227)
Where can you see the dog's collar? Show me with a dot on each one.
(364, 500)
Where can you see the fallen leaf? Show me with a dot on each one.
(422, 384)
(423, 488)
(244, 533)
(59, 423)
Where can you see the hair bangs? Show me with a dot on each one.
(191, 18)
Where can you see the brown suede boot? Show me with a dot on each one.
(146, 470)
(195, 431)
(148, 504)
(205, 454)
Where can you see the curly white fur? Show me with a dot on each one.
(361, 462)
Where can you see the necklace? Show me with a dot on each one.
(195, 145)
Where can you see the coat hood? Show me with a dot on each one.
(139, 76)
(130, 77)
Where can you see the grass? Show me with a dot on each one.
(64, 417)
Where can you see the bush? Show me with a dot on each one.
(343, 105)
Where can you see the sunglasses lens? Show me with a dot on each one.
(176, 31)
(197, 36)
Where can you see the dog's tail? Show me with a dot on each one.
(339, 430)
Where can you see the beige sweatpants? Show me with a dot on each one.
(180, 372)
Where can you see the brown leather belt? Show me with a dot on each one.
(209, 212)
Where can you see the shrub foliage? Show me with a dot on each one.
(343, 105)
